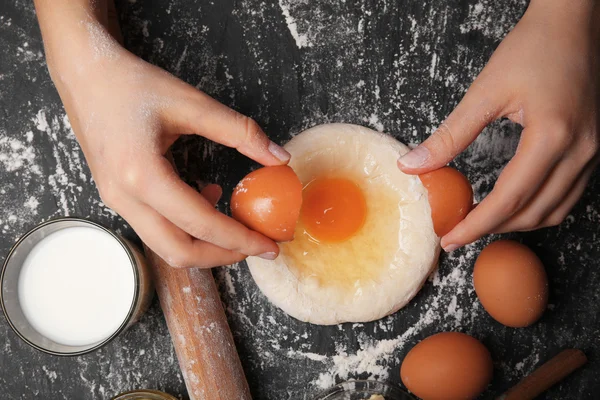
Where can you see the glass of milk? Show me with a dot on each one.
(70, 286)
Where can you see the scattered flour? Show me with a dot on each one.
(372, 358)
(15, 154)
(56, 176)
(374, 121)
(483, 17)
(300, 38)
(49, 373)
(32, 204)
(348, 88)
(528, 364)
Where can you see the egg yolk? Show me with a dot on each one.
(370, 220)
(333, 209)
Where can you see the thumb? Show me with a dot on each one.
(456, 133)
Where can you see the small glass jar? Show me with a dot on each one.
(143, 289)
(364, 390)
(144, 395)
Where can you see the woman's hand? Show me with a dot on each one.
(543, 76)
(126, 114)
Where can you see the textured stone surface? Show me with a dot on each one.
(396, 66)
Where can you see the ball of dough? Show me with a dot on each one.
(379, 266)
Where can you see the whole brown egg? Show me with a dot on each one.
(511, 283)
(447, 366)
(268, 200)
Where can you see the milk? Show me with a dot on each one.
(76, 286)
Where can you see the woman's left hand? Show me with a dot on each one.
(544, 76)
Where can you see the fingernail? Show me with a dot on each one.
(450, 248)
(279, 152)
(271, 255)
(414, 158)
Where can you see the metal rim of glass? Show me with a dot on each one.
(149, 395)
(366, 387)
(132, 262)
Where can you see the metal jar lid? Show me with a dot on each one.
(144, 395)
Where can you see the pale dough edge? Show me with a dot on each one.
(283, 289)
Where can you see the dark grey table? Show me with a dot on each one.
(397, 66)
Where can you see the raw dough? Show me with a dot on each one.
(379, 269)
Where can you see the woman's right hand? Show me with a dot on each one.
(126, 114)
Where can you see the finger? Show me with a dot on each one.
(562, 211)
(212, 193)
(554, 190)
(200, 114)
(194, 214)
(170, 243)
(475, 111)
(519, 181)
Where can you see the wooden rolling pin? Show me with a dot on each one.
(207, 356)
(550, 373)
(203, 341)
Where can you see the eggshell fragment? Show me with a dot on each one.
(268, 201)
(511, 283)
(447, 366)
(450, 196)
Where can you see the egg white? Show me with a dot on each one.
(382, 267)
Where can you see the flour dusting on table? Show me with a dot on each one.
(368, 357)
(396, 67)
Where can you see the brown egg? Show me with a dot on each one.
(450, 196)
(447, 366)
(268, 201)
(511, 283)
